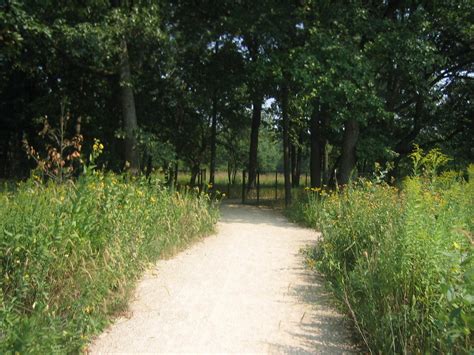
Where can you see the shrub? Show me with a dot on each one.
(400, 262)
(70, 253)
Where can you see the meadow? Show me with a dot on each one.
(271, 191)
(70, 253)
(400, 260)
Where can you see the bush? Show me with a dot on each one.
(70, 253)
(400, 262)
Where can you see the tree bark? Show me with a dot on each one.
(296, 158)
(212, 165)
(149, 166)
(286, 143)
(129, 114)
(176, 167)
(293, 163)
(348, 156)
(194, 173)
(299, 159)
(253, 151)
(324, 145)
(316, 156)
(325, 153)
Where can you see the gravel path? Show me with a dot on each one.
(243, 290)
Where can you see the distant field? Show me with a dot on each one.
(269, 189)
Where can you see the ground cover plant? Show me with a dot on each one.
(400, 261)
(69, 253)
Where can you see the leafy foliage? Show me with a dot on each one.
(401, 262)
(71, 252)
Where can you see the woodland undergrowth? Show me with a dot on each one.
(400, 260)
(70, 253)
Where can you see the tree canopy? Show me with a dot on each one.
(187, 83)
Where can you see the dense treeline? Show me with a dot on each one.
(344, 84)
(333, 88)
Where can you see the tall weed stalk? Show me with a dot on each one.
(401, 261)
(69, 253)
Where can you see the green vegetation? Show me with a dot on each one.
(322, 87)
(71, 252)
(401, 261)
(335, 86)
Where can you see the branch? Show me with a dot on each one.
(73, 61)
(354, 318)
(443, 139)
(448, 72)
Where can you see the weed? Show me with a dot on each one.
(401, 261)
(70, 253)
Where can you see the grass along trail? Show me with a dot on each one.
(244, 289)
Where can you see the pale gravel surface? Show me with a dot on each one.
(243, 290)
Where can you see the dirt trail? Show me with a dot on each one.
(243, 290)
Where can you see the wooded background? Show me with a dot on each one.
(329, 87)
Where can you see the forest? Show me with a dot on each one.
(364, 107)
(337, 85)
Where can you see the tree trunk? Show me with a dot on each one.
(405, 145)
(293, 163)
(324, 145)
(149, 166)
(170, 181)
(194, 173)
(325, 153)
(253, 152)
(299, 159)
(128, 111)
(212, 166)
(348, 156)
(296, 157)
(176, 167)
(316, 157)
(286, 143)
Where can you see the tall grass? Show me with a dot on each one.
(70, 253)
(400, 261)
(269, 190)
